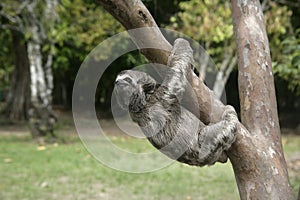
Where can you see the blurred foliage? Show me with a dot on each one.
(288, 66)
(204, 20)
(83, 24)
(209, 23)
(6, 60)
(278, 20)
(284, 45)
(163, 10)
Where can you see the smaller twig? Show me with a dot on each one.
(11, 27)
(9, 17)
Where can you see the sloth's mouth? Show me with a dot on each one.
(122, 91)
(120, 83)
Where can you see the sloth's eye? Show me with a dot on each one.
(128, 80)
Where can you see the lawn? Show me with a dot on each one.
(68, 171)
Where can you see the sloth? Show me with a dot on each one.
(169, 127)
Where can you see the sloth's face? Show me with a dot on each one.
(126, 84)
(129, 82)
(126, 80)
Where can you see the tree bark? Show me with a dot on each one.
(260, 169)
(264, 175)
(18, 100)
(41, 117)
(31, 95)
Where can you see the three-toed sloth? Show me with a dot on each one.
(172, 129)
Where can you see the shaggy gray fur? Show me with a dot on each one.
(169, 127)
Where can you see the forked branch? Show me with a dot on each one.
(250, 165)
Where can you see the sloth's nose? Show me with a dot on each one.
(119, 81)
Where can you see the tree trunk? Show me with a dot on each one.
(18, 100)
(38, 83)
(51, 17)
(31, 93)
(41, 117)
(257, 160)
(264, 174)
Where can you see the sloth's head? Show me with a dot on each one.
(129, 84)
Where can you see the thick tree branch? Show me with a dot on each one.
(133, 14)
(11, 27)
(249, 163)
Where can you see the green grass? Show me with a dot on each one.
(68, 171)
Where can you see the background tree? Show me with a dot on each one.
(13, 36)
(41, 116)
(30, 23)
(18, 97)
(49, 40)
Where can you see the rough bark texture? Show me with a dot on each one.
(19, 97)
(257, 158)
(263, 175)
(41, 117)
